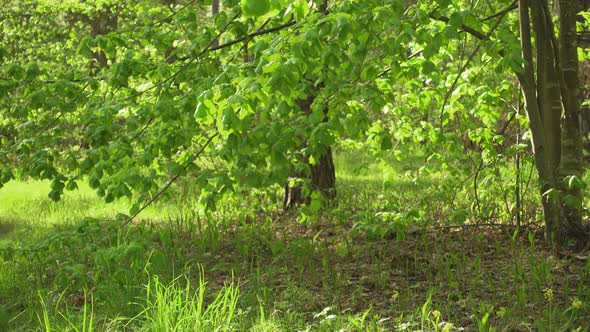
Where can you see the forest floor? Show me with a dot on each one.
(69, 266)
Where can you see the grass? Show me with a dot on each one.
(28, 202)
(392, 254)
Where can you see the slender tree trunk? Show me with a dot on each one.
(572, 150)
(552, 106)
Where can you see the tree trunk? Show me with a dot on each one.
(323, 180)
(552, 106)
(572, 149)
(321, 175)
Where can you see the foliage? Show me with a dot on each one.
(192, 123)
(146, 91)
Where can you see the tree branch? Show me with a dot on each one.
(252, 35)
(170, 182)
(475, 33)
(464, 66)
(511, 7)
(468, 29)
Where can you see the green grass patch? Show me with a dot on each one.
(390, 254)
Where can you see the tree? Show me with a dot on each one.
(320, 172)
(550, 87)
(171, 100)
(549, 82)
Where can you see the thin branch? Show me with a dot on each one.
(475, 33)
(503, 130)
(388, 69)
(170, 182)
(174, 13)
(472, 31)
(511, 7)
(207, 48)
(254, 34)
(464, 67)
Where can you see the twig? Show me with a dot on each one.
(475, 33)
(209, 140)
(511, 7)
(464, 66)
(252, 35)
(170, 182)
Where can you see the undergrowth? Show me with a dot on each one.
(398, 251)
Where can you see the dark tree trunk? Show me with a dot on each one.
(323, 180)
(103, 24)
(322, 175)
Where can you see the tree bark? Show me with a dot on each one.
(323, 180)
(572, 149)
(321, 175)
(552, 106)
(104, 23)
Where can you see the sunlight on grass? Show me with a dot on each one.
(176, 308)
(28, 204)
(29, 201)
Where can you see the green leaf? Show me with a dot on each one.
(300, 9)
(456, 20)
(230, 120)
(32, 71)
(55, 195)
(316, 202)
(428, 67)
(443, 3)
(84, 48)
(109, 198)
(15, 71)
(572, 201)
(5, 176)
(71, 185)
(201, 111)
(429, 50)
(460, 216)
(3, 53)
(573, 182)
(134, 249)
(386, 143)
(551, 195)
(255, 8)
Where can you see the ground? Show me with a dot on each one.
(384, 265)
